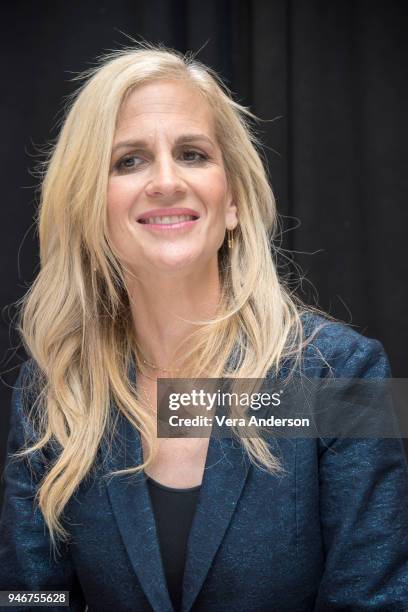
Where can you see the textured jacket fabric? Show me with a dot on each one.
(329, 534)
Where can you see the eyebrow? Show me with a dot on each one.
(183, 139)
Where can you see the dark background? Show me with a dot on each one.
(329, 81)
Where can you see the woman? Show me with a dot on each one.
(155, 225)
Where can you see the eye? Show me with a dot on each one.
(128, 163)
(192, 156)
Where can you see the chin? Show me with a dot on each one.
(176, 264)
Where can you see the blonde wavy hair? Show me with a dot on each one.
(76, 319)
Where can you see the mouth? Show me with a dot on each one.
(172, 221)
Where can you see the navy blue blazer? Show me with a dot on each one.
(330, 534)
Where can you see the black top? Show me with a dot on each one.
(174, 511)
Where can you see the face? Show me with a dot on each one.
(169, 202)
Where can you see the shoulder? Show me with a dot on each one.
(25, 403)
(27, 388)
(337, 348)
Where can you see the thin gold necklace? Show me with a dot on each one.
(156, 367)
(149, 377)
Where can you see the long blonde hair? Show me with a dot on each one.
(75, 319)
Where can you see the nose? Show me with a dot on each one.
(165, 178)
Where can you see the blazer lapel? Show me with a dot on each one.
(225, 474)
(130, 500)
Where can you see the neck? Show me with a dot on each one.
(163, 307)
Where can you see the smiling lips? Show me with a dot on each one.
(168, 217)
(174, 219)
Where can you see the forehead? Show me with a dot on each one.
(167, 103)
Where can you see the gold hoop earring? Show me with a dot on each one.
(230, 235)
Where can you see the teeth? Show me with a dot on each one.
(169, 220)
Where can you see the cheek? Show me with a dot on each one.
(119, 203)
(119, 195)
(215, 192)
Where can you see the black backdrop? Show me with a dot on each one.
(328, 78)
